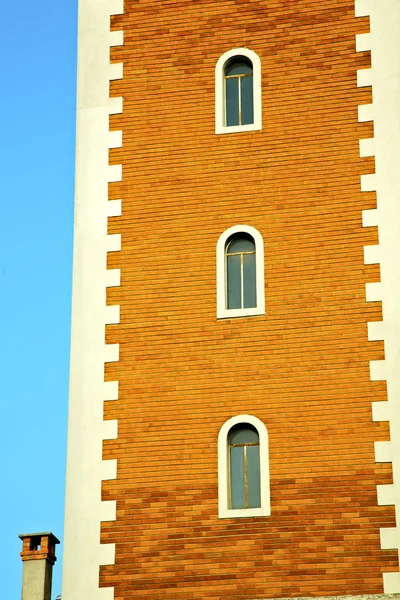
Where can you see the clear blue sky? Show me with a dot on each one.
(38, 72)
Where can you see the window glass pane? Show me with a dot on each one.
(249, 281)
(232, 101)
(243, 434)
(241, 244)
(239, 67)
(233, 281)
(247, 100)
(253, 476)
(238, 496)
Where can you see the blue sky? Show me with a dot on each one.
(38, 72)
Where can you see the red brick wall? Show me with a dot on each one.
(303, 368)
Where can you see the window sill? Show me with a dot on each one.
(237, 128)
(234, 313)
(236, 513)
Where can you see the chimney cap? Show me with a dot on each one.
(40, 534)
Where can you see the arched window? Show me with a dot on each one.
(238, 91)
(241, 283)
(239, 102)
(240, 273)
(243, 469)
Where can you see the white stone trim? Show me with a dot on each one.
(378, 370)
(222, 311)
(115, 71)
(372, 255)
(370, 217)
(114, 242)
(114, 173)
(115, 105)
(84, 509)
(113, 278)
(115, 141)
(373, 291)
(116, 38)
(224, 512)
(110, 429)
(107, 513)
(389, 538)
(107, 556)
(110, 353)
(367, 147)
(391, 583)
(380, 411)
(365, 113)
(376, 331)
(114, 207)
(112, 315)
(110, 390)
(384, 76)
(364, 77)
(368, 183)
(363, 42)
(220, 126)
(383, 452)
(109, 470)
(386, 494)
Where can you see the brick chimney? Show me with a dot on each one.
(38, 555)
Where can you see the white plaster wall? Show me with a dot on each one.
(384, 76)
(84, 509)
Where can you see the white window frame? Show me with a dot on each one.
(224, 512)
(220, 126)
(228, 313)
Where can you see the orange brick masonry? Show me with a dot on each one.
(303, 368)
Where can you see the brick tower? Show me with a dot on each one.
(234, 423)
